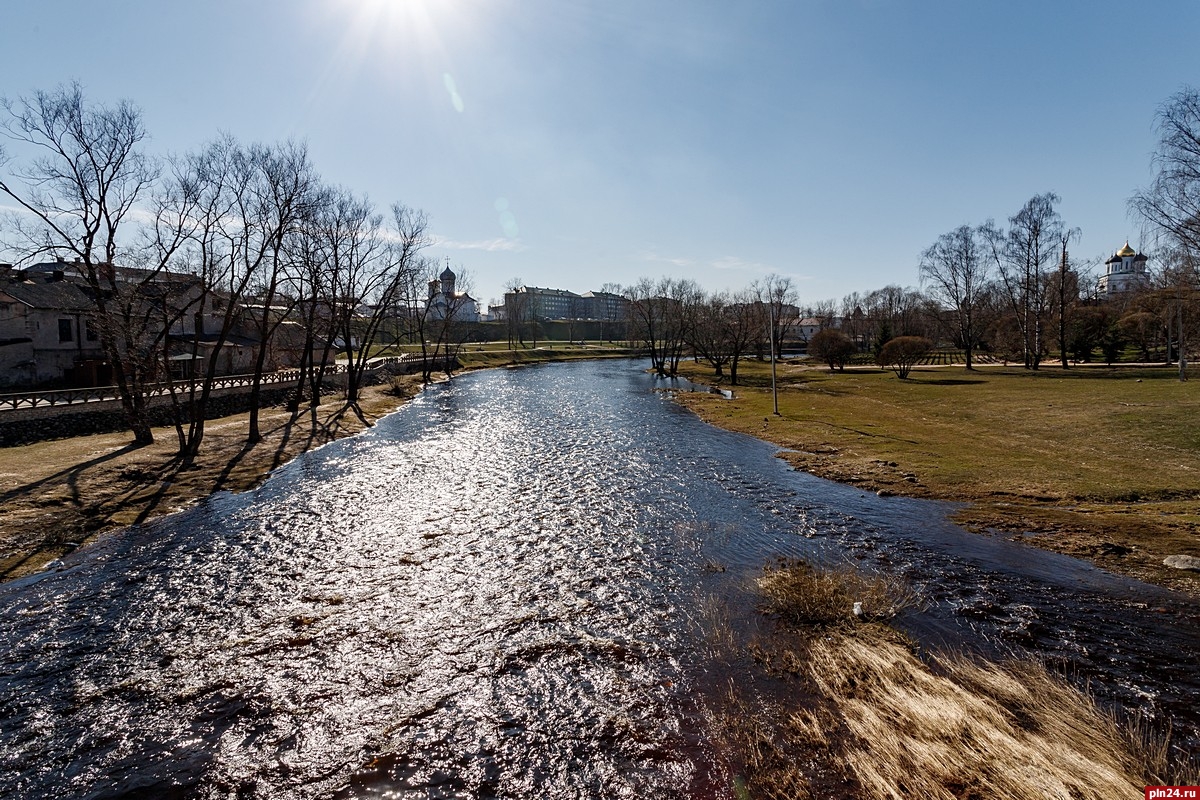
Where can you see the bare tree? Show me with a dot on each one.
(519, 314)
(1172, 201)
(682, 299)
(376, 278)
(956, 269)
(854, 319)
(661, 316)
(610, 313)
(1032, 242)
(78, 190)
(779, 294)
(307, 281)
(711, 336)
(1172, 204)
(748, 319)
(646, 321)
(1181, 291)
(281, 197)
(225, 249)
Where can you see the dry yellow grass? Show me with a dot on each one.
(803, 594)
(968, 729)
(850, 710)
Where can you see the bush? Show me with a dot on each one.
(901, 353)
(831, 347)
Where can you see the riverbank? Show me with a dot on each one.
(833, 701)
(1100, 464)
(60, 495)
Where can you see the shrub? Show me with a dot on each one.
(901, 353)
(831, 347)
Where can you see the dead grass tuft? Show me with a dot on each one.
(803, 594)
(1162, 765)
(972, 729)
(856, 712)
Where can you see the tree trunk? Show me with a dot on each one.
(1182, 348)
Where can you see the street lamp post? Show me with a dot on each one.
(771, 337)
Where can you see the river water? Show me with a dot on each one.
(498, 592)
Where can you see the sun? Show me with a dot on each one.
(409, 24)
(388, 13)
(390, 42)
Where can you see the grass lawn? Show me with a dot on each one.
(1101, 463)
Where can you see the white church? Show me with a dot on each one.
(445, 303)
(1124, 272)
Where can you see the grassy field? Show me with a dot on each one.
(1099, 463)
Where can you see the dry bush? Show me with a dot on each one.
(803, 594)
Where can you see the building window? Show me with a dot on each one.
(89, 332)
(64, 330)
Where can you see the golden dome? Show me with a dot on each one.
(1126, 251)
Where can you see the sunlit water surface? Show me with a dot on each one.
(496, 593)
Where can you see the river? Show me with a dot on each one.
(497, 592)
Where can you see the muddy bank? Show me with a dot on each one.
(1129, 538)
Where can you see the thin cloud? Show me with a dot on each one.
(650, 255)
(488, 245)
(741, 265)
(726, 263)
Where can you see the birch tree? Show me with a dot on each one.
(956, 270)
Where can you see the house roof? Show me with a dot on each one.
(54, 295)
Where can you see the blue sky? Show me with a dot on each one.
(573, 144)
